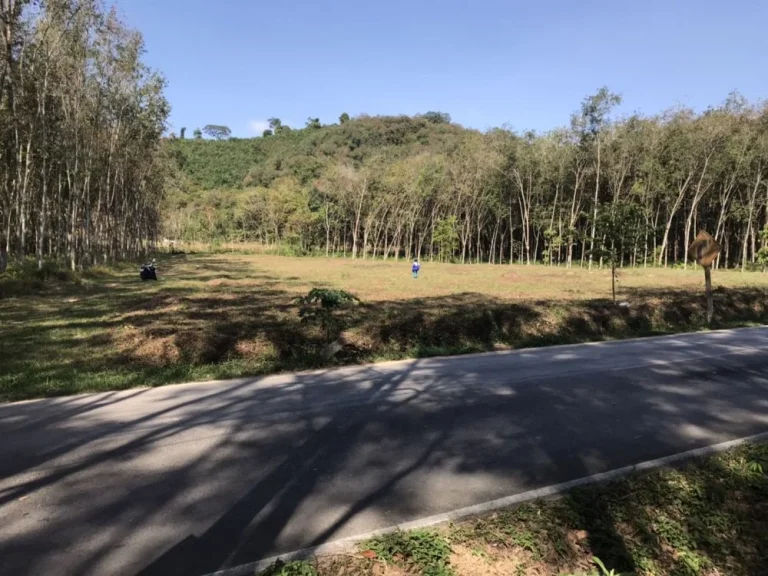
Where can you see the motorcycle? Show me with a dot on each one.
(148, 271)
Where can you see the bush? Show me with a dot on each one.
(25, 276)
(318, 306)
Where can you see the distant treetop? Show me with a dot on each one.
(437, 117)
(218, 132)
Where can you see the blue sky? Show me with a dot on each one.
(487, 62)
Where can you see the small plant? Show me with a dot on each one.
(299, 568)
(614, 223)
(603, 570)
(319, 305)
(423, 550)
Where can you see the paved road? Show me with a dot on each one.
(188, 479)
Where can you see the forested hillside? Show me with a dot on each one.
(403, 186)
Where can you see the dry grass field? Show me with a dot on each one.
(231, 314)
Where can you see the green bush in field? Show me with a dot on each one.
(318, 306)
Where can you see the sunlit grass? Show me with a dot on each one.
(217, 316)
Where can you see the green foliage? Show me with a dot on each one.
(446, 237)
(30, 269)
(276, 125)
(762, 253)
(595, 110)
(320, 304)
(29, 276)
(217, 131)
(618, 226)
(602, 570)
(438, 117)
(212, 164)
(198, 134)
(424, 550)
(343, 118)
(297, 568)
(758, 466)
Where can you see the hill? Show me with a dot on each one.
(302, 154)
(604, 190)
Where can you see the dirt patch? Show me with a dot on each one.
(478, 561)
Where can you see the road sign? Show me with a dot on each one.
(704, 249)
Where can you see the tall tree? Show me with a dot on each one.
(217, 131)
(592, 121)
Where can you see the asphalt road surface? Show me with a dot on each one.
(189, 479)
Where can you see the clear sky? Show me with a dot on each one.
(485, 62)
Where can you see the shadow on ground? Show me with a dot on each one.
(219, 319)
(204, 477)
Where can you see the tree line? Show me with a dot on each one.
(81, 121)
(423, 187)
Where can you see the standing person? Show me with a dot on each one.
(415, 268)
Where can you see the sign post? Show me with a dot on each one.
(704, 249)
(708, 288)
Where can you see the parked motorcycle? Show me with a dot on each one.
(148, 271)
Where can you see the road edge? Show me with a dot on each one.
(348, 544)
(383, 364)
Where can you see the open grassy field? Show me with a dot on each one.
(707, 518)
(225, 315)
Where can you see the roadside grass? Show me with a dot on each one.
(708, 517)
(224, 315)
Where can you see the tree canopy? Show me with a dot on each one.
(216, 131)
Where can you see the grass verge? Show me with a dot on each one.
(708, 517)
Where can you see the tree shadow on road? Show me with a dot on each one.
(326, 454)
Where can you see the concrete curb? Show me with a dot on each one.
(345, 545)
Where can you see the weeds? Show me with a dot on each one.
(424, 550)
(299, 568)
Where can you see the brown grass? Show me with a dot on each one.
(232, 314)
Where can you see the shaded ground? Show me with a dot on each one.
(708, 517)
(185, 480)
(228, 315)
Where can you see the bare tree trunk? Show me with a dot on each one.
(596, 200)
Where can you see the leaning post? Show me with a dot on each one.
(704, 249)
